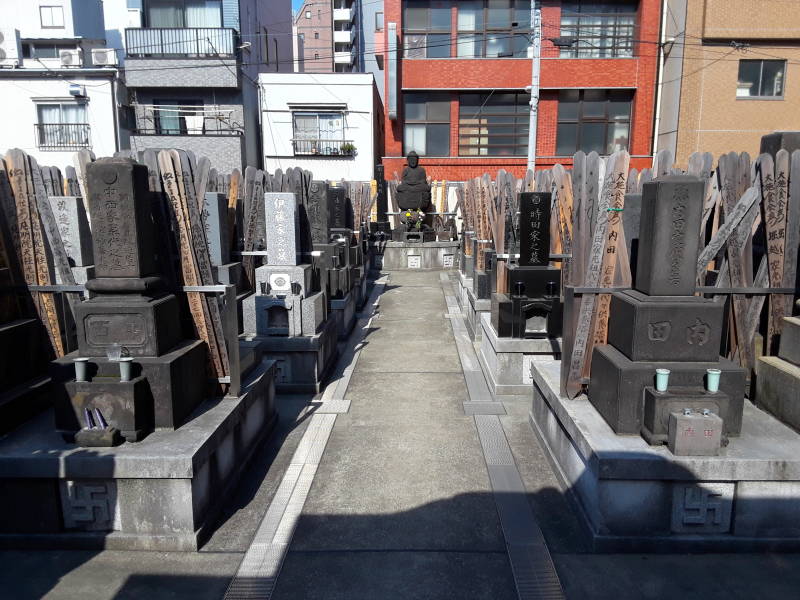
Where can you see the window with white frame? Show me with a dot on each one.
(52, 17)
(319, 133)
(62, 125)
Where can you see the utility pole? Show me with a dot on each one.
(536, 65)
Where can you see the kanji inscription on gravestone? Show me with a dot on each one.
(534, 226)
(281, 211)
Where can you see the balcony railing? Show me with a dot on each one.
(181, 42)
(175, 119)
(59, 136)
(323, 147)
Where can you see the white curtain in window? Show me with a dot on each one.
(305, 127)
(73, 113)
(49, 114)
(203, 13)
(415, 139)
(331, 126)
(164, 14)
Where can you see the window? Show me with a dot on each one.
(316, 35)
(179, 117)
(761, 79)
(316, 56)
(426, 29)
(427, 124)
(593, 121)
(378, 21)
(183, 13)
(52, 17)
(319, 133)
(62, 125)
(493, 124)
(493, 28)
(44, 49)
(308, 14)
(599, 29)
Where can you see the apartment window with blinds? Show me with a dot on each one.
(426, 28)
(493, 125)
(62, 125)
(761, 79)
(598, 29)
(593, 121)
(427, 124)
(493, 28)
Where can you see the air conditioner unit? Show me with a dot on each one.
(71, 58)
(104, 57)
(76, 89)
(10, 47)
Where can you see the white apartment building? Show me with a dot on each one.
(327, 123)
(59, 79)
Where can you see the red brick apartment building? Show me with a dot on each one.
(462, 67)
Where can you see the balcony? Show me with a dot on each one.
(62, 136)
(206, 120)
(343, 57)
(343, 37)
(343, 14)
(323, 147)
(190, 57)
(181, 42)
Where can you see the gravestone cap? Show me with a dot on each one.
(669, 235)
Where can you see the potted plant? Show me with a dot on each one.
(348, 149)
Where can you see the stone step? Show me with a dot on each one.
(790, 340)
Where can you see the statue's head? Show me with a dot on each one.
(412, 159)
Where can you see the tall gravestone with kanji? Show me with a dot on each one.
(533, 307)
(134, 371)
(660, 327)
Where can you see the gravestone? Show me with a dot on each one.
(662, 324)
(533, 307)
(778, 382)
(73, 226)
(215, 220)
(130, 316)
(780, 140)
(287, 316)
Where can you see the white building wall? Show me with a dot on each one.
(20, 97)
(281, 93)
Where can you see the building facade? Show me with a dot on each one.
(328, 34)
(59, 81)
(192, 71)
(327, 123)
(456, 75)
(730, 75)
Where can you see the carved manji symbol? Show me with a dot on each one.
(698, 333)
(89, 505)
(659, 332)
(702, 507)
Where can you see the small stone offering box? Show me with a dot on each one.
(694, 434)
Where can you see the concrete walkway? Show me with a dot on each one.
(399, 501)
(401, 505)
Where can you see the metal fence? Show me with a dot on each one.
(179, 42)
(323, 147)
(53, 136)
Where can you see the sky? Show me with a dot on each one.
(296, 4)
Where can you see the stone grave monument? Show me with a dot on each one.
(660, 326)
(218, 232)
(131, 320)
(332, 239)
(154, 456)
(287, 316)
(525, 324)
(778, 381)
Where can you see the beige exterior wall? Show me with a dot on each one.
(712, 119)
(321, 22)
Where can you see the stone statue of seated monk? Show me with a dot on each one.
(414, 192)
